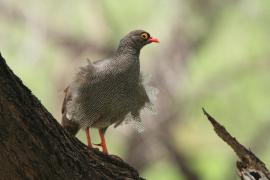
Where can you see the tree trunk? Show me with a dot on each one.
(34, 146)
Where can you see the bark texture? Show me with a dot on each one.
(34, 146)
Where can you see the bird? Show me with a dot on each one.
(106, 91)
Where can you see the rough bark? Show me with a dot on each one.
(250, 167)
(34, 146)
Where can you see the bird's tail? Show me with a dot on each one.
(71, 126)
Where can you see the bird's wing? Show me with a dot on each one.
(67, 122)
(80, 78)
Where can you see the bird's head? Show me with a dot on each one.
(137, 39)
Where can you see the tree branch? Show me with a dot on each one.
(34, 146)
(250, 167)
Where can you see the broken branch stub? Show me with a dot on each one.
(250, 167)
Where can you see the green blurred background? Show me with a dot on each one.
(213, 54)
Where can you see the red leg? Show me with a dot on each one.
(103, 142)
(87, 131)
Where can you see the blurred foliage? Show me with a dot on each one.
(226, 69)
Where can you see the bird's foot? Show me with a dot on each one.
(104, 150)
(92, 148)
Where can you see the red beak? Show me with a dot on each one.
(152, 39)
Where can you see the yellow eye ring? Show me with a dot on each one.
(145, 36)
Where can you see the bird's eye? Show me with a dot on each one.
(145, 36)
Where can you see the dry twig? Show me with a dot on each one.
(250, 167)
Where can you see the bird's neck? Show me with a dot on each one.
(127, 55)
(129, 48)
(126, 60)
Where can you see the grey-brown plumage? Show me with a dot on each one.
(104, 92)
